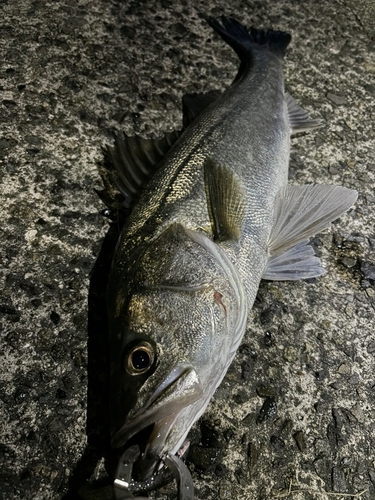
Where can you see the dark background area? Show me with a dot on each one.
(298, 402)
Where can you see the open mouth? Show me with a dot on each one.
(151, 427)
(150, 441)
(144, 463)
(154, 422)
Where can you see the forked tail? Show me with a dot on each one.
(244, 41)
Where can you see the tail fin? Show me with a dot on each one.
(242, 40)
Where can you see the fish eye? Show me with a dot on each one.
(140, 359)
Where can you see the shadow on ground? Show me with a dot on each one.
(84, 482)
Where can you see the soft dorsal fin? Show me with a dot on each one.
(300, 212)
(299, 119)
(136, 159)
(225, 201)
(194, 104)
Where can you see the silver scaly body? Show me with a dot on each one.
(207, 228)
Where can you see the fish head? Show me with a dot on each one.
(171, 332)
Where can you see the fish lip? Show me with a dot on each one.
(163, 407)
(134, 426)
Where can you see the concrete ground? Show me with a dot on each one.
(295, 416)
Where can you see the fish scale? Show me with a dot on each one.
(215, 217)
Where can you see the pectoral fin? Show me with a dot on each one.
(299, 119)
(300, 212)
(225, 201)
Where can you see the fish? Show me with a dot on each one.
(212, 215)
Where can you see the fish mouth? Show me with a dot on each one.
(153, 424)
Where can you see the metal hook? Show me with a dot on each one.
(124, 482)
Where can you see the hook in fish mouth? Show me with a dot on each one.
(180, 389)
(124, 484)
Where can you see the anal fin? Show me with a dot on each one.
(299, 262)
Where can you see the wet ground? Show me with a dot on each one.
(296, 410)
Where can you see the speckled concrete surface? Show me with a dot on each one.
(72, 72)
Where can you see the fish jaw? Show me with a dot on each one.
(179, 390)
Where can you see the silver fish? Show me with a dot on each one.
(216, 217)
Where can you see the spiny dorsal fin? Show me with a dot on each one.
(299, 119)
(136, 159)
(194, 104)
(225, 201)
